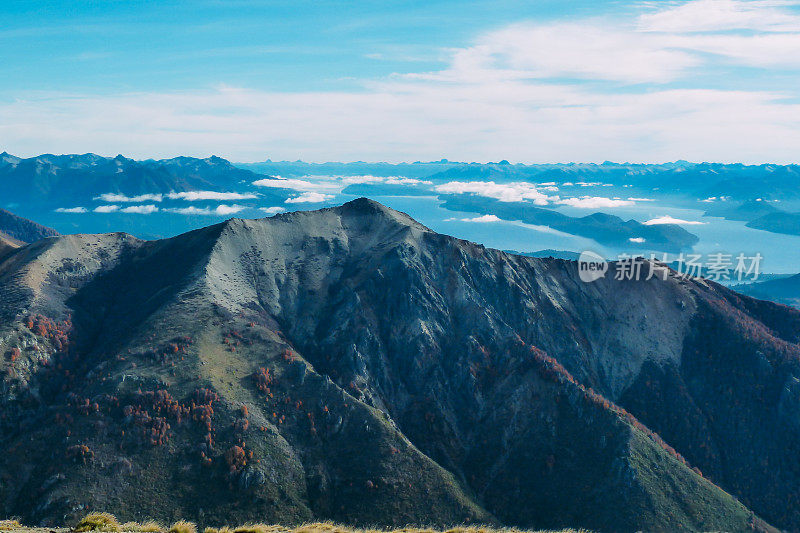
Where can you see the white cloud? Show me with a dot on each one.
(666, 219)
(229, 209)
(721, 15)
(71, 210)
(712, 199)
(511, 93)
(115, 197)
(284, 183)
(220, 210)
(526, 121)
(193, 196)
(505, 192)
(106, 208)
(310, 197)
(594, 202)
(191, 210)
(638, 240)
(484, 218)
(140, 209)
(333, 184)
(358, 180)
(591, 49)
(272, 210)
(641, 199)
(389, 180)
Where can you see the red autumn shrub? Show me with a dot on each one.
(235, 458)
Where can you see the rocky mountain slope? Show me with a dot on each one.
(16, 229)
(350, 364)
(7, 244)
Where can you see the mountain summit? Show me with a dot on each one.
(351, 364)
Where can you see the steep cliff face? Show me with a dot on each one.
(351, 364)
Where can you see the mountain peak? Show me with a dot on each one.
(367, 206)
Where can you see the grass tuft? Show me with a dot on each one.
(182, 526)
(254, 528)
(98, 522)
(145, 527)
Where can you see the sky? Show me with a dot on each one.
(536, 81)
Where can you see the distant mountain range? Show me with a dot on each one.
(58, 180)
(93, 194)
(350, 364)
(157, 198)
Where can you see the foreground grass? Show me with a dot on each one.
(108, 523)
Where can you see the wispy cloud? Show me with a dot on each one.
(71, 210)
(193, 196)
(595, 202)
(106, 208)
(720, 15)
(298, 184)
(388, 180)
(116, 197)
(505, 192)
(310, 197)
(189, 196)
(140, 209)
(665, 83)
(220, 210)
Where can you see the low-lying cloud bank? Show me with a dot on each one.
(190, 196)
(530, 192)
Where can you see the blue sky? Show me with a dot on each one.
(542, 81)
(107, 46)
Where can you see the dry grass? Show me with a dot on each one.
(182, 526)
(98, 522)
(143, 527)
(9, 525)
(329, 527)
(108, 523)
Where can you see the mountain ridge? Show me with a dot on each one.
(390, 375)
